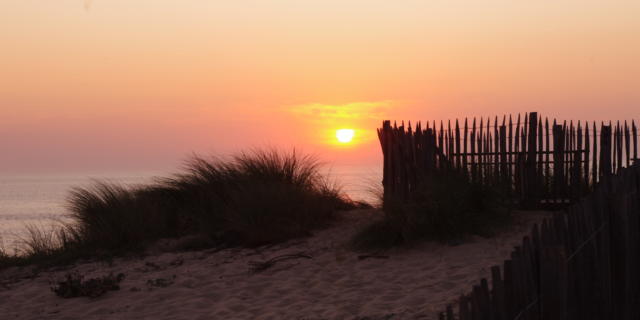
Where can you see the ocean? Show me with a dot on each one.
(41, 200)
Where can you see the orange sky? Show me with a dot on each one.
(121, 84)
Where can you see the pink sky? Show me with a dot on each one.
(139, 85)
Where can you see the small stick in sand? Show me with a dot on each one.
(375, 255)
(264, 265)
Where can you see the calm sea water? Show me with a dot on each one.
(41, 200)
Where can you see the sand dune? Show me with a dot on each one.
(410, 283)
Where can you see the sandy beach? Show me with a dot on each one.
(325, 280)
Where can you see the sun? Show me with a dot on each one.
(345, 135)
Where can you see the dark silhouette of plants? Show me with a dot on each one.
(74, 285)
(445, 207)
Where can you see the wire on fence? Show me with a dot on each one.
(525, 309)
(591, 237)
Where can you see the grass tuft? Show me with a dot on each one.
(257, 198)
(254, 198)
(445, 208)
(109, 216)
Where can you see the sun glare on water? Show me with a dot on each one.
(345, 135)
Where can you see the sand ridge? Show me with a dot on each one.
(334, 283)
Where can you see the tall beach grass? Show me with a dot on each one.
(254, 198)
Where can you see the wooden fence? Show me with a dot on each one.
(580, 264)
(536, 162)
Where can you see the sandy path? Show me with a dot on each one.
(413, 283)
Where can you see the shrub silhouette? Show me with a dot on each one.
(252, 199)
(444, 207)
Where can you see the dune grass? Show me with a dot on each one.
(257, 198)
(109, 216)
(53, 245)
(446, 208)
(254, 198)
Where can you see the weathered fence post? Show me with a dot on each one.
(605, 151)
(383, 136)
(558, 162)
(531, 166)
(553, 283)
(498, 310)
(504, 172)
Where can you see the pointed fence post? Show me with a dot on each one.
(553, 283)
(605, 151)
(531, 166)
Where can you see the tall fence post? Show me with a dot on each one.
(532, 192)
(384, 136)
(553, 283)
(605, 151)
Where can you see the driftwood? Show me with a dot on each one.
(258, 266)
(375, 255)
(372, 256)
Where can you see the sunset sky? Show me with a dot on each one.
(140, 84)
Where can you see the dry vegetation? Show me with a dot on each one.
(252, 199)
(446, 208)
